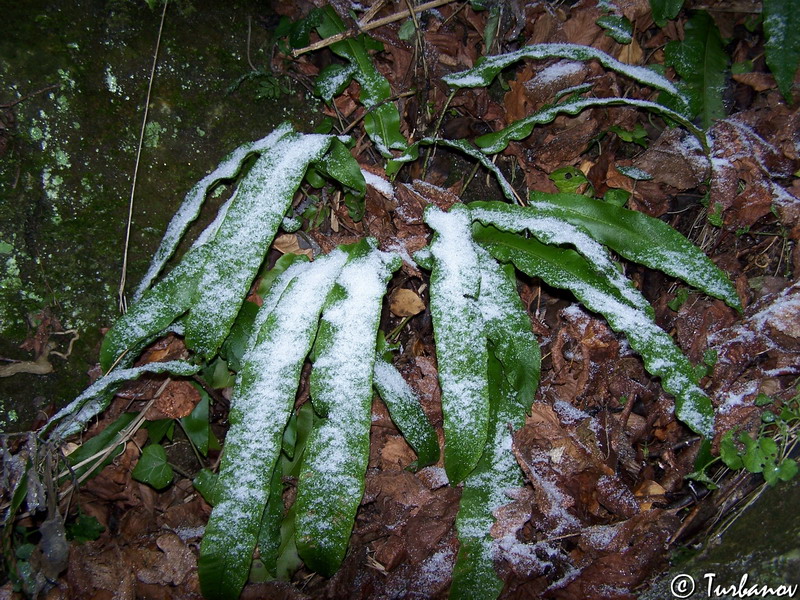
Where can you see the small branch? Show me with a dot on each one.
(123, 303)
(31, 95)
(362, 27)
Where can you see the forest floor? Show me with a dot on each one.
(618, 458)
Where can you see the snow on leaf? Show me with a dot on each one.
(97, 396)
(238, 248)
(561, 268)
(553, 229)
(485, 71)
(211, 281)
(461, 345)
(262, 401)
(194, 200)
(782, 47)
(492, 143)
(331, 481)
(484, 492)
(406, 412)
(633, 235)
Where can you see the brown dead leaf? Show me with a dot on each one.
(176, 401)
(674, 160)
(173, 566)
(167, 348)
(760, 82)
(289, 243)
(405, 303)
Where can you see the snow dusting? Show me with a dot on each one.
(96, 397)
(458, 329)
(190, 208)
(262, 401)
(331, 483)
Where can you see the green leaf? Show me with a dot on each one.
(701, 61)
(616, 196)
(632, 234)
(406, 412)
(94, 399)
(340, 165)
(196, 424)
(492, 143)
(262, 402)
(569, 179)
(302, 423)
(85, 528)
(461, 345)
(474, 577)
(618, 28)
(211, 282)
(782, 46)
(153, 468)
(382, 121)
(566, 269)
(205, 482)
(407, 30)
(729, 453)
(217, 375)
(553, 228)
(787, 469)
(484, 72)
(664, 10)
(107, 437)
(157, 430)
(508, 329)
(637, 135)
(331, 482)
(235, 344)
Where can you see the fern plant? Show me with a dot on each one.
(328, 310)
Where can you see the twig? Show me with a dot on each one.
(123, 304)
(369, 26)
(31, 95)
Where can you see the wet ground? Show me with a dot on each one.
(74, 80)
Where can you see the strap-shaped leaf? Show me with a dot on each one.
(782, 47)
(382, 122)
(702, 63)
(508, 328)
(563, 268)
(554, 230)
(483, 73)
(406, 412)
(331, 482)
(631, 234)
(213, 278)
(474, 577)
(492, 143)
(238, 248)
(460, 342)
(262, 402)
(194, 200)
(96, 397)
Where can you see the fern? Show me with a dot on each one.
(329, 310)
